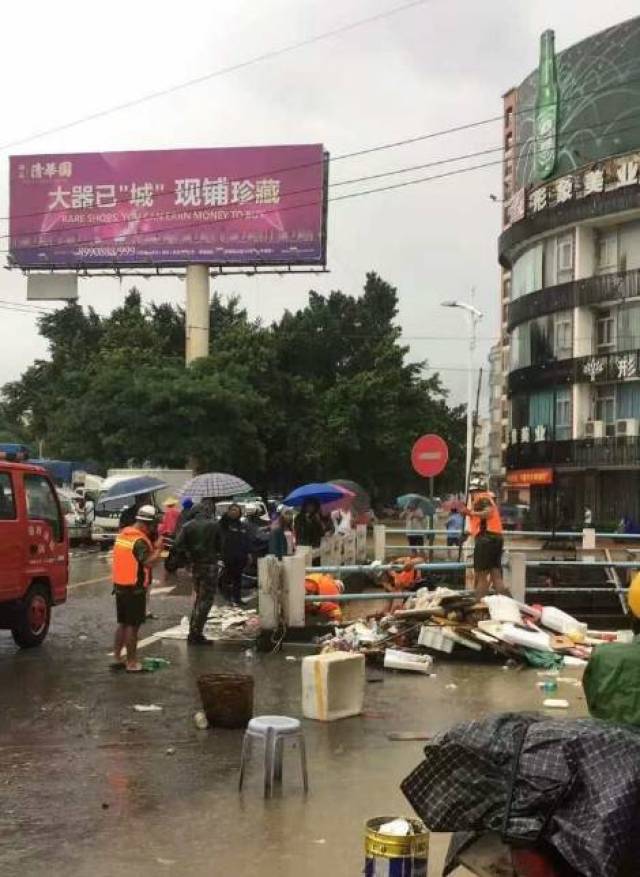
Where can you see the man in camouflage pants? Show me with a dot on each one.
(199, 543)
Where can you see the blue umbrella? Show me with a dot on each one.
(124, 488)
(321, 492)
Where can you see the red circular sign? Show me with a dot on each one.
(429, 455)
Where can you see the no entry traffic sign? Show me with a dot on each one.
(429, 455)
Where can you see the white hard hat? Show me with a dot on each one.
(477, 483)
(146, 513)
(340, 585)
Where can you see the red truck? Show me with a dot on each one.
(34, 552)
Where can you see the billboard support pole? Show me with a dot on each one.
(197, 317)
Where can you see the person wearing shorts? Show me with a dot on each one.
(485, 526)
(133, 557)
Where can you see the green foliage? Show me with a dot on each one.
(324, 392)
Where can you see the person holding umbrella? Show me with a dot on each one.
(309, 527)
(235, 550)
(413, 517)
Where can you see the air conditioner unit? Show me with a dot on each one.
(627, 427)
(594, 429)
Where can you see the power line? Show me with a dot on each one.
(221, 71)
(347, 155)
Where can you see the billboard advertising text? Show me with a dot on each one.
(250, 206)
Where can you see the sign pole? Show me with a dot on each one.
(197, 315)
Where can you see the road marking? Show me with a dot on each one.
(88, 582)
(149, 640)
(163, 590)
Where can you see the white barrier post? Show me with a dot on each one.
(294, 575)
(516, 577)
(379, 539)
(349, 546)
(269, 592)
(327, 550)
(588, 544)
(361, 543)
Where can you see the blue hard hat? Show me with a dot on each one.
(187, 503)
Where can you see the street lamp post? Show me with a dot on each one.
(473, 315)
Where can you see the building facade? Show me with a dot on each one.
(570, 256)
(497, 421)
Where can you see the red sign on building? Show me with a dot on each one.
(530, 477)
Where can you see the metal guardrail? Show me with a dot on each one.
(540, 534)
(381, 567)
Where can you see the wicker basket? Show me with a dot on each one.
(227, 699)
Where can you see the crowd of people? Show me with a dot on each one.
(217, 550)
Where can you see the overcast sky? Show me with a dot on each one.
(441, 64)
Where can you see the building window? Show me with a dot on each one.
(563, 414)
(563, 346)
(605, 404)
(508, 117)
(605, 331)
(508, 169)
(506, 289)
(508, 141)
(505, 313)
(608, 252)
(564, 259)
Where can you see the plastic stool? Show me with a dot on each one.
(273, 731)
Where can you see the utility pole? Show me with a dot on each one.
(197, 315)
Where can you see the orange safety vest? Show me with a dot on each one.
(126, 568)
(493, 522)
(320, 585)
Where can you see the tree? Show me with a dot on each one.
(324, 392)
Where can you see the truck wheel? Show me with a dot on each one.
(34, 618)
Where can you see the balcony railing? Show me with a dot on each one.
(576, 293)
(619, 451)
(597, 368)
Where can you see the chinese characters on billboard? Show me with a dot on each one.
(232, 206)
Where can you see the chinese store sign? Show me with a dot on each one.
(529, 477)
(617, 173)
(234, 206)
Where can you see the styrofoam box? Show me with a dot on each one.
(332, 685)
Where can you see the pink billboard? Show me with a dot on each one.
(257, 205)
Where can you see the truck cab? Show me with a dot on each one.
(34, 552)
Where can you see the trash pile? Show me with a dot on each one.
(223, 623)
(444, 621)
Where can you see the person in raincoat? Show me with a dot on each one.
(323, 585)
(281, 542)
(612, 677)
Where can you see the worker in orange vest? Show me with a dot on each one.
(322, 585)
(485, 525)
(134, 554)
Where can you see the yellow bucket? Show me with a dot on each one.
(394, 856)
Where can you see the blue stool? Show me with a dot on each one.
(273, 732)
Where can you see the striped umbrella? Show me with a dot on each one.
(214, 485)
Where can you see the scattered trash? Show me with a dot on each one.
(83, 637)
(321, 840)
(105, 806)
(150, 665)
(223, 623)
(200, 720)
(394, 659)
(559, 704)
(290, 658)
(166, 861)
(396, 828)
(451, 686)
(549, 685)
(401, 736)
(171, 750)
(249, 654)
(147, 708)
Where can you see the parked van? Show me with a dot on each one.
(34, 552)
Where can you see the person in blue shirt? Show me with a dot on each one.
(455, 527)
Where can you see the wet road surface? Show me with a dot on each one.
(88, 787)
